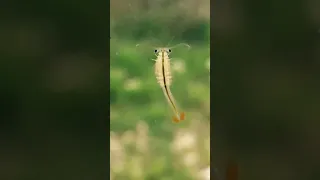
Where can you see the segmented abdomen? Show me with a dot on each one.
(162, 72)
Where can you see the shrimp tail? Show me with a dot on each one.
(182, 116)
(175, 119)
(179, 118)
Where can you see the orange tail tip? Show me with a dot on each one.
(182, 116)
(176, 119)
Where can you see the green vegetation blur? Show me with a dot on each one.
(145, 142)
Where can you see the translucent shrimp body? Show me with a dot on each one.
(164, 78)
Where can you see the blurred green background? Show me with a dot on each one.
(264, 80)
(145, 143)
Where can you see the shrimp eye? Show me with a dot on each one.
(156, 50)
(169, 50)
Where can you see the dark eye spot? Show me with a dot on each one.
(156, 50)
(169, 50)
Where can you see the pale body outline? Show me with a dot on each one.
(163, 75)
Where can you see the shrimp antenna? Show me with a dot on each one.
(155, 40)
(181, 44)
(151, 39)
(170, 41)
